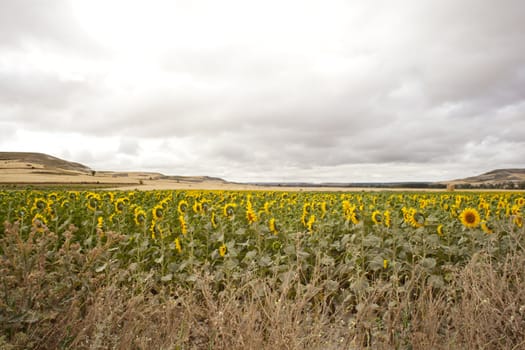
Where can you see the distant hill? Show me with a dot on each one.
(39, 162)
(499, 178)
(25, 168)
(28, 168)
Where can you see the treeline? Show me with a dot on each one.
(507, 185)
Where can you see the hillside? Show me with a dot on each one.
(499, 178)
(26, 168)
(40, 163)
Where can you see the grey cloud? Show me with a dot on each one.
(410, 84)
(40, 90)
(48, 25)
(128, 146)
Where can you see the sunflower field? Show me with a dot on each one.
(348, 240)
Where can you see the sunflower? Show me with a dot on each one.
(205, 205)
(197, 208)
(214, 222)
(387, 220)
(39, 205)
(414, 218)
(518, 221)
(486, 227)
(324, 209)
(440, 230)
(152, 229)
(178, 246)
(251, 216)
(139, 216)
(272, 226)
(350, 212)
(229, 210)
(158, 211)
(39, 222)
(183, 225)
(470, 218)
(376, 217)
(223, 250)
(120, 204)
(21, 213)
(100, 222)
(266, 208)
(93, 201)
(182, 207)
(310, 223)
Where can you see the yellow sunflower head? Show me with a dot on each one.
(518, 221)
(229, 210)
(183, 225)
(93, 201)
(158, 212)
(39, 222)
(178, 246)
(272, 226)
(139, 216)
(470, 218)
(250, 215)
(223, 250)
(120, 204)
(377, 218)
(310, 223)
(214, 222)
(486, 227)
(414, 218)
(182, 207)
(197, 207)
(387, 218)
(39, 205)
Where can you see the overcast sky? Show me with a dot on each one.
(269, 90)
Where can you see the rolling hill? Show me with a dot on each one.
(40, 163)
(499, 178)
(25, 168)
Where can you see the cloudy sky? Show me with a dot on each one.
(267, 90)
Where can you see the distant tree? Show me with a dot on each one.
(93, 172)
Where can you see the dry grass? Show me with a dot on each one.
(52, 297)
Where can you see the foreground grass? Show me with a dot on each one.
(56, 294)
